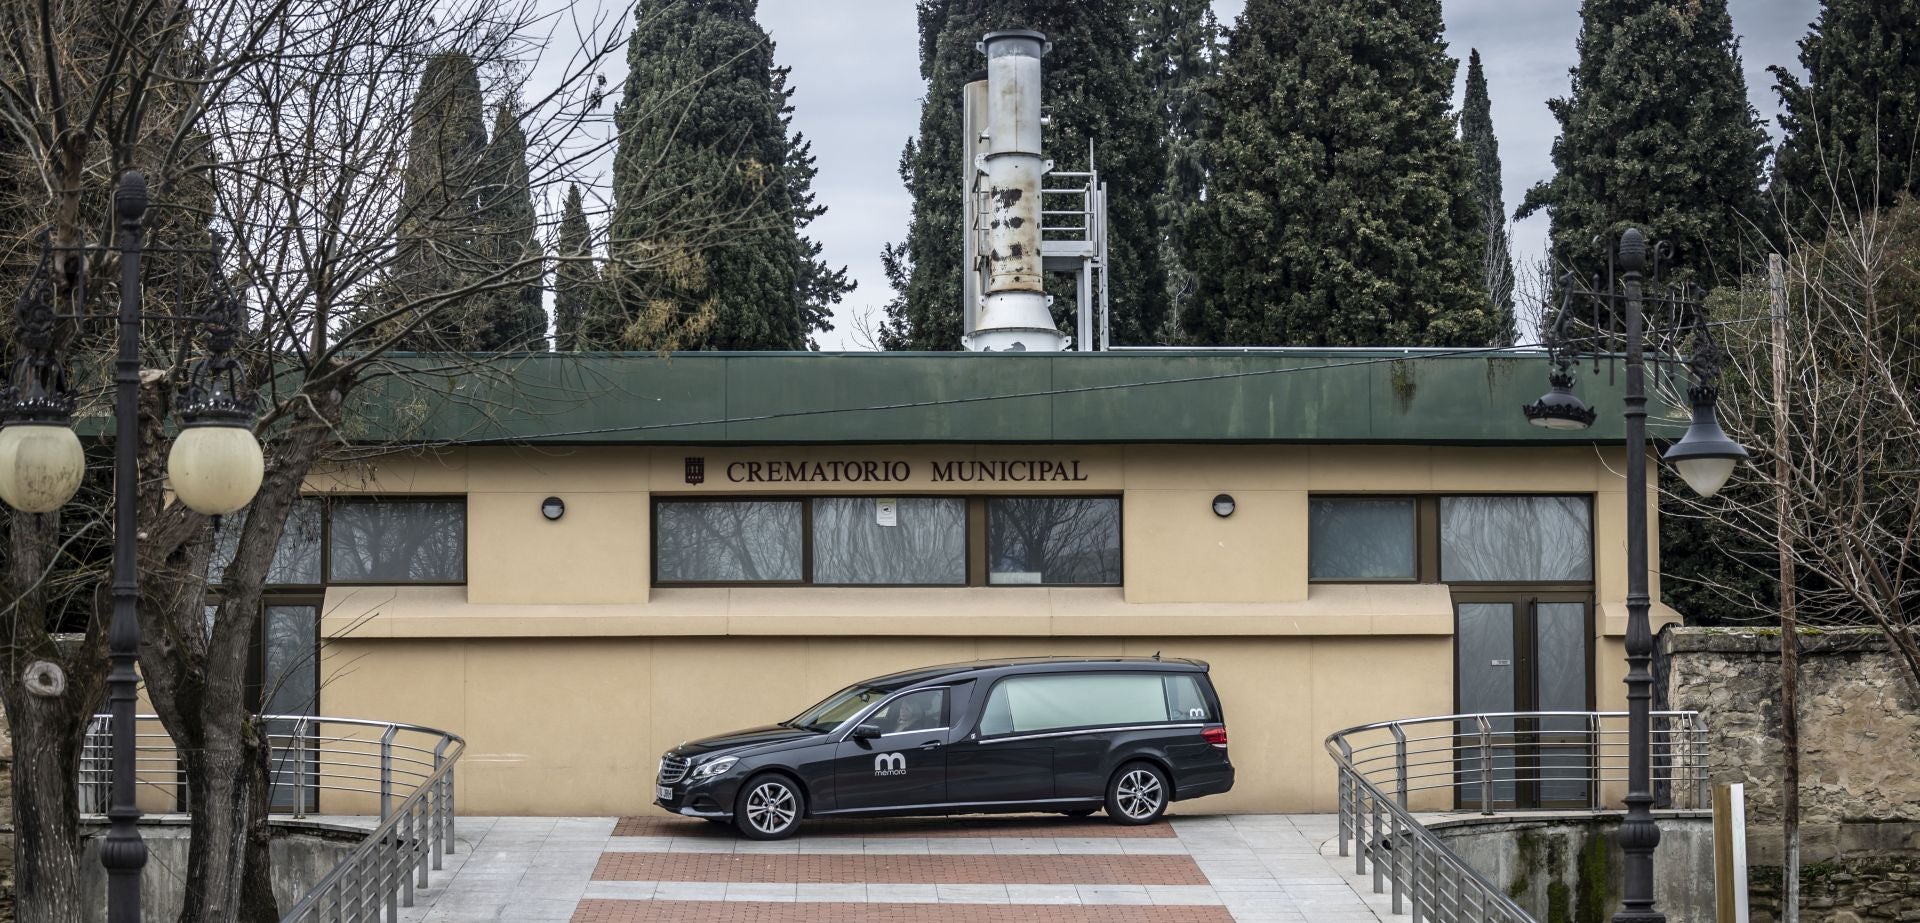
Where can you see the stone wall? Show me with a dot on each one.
(1859, 739)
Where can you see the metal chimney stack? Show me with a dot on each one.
(1014, 315)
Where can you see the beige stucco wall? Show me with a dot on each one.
(568, 674)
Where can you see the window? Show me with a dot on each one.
(1184, 698)
(296, 561)
(1362, 538)
(1484, 539)
(728, 541)
(925, 710)
(1045, 702)
(397, 541)
(1054, 540)
(923, 542)
(1516, 539)
(888, 541)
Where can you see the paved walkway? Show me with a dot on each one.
(1206, 869)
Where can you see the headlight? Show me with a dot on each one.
(715, 768)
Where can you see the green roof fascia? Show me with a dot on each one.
(713, 398)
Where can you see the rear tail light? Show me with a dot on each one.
(1216, 735)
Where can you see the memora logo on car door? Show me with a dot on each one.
(890, 764)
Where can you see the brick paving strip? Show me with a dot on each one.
(974, 825)
(604, 911)
(899, 869)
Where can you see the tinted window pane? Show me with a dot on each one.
(1039, 703)
(1184, 699)
(927, 542)
(1361, 539)
(1054, 540)
(915, 711)
(297, 559)
(397, 541)
(722, 542)
(1516, 539)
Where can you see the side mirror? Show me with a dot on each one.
(864, 731)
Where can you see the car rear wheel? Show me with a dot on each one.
(1137, 794)
(769, 807)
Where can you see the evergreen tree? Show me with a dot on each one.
(436, 233)
(1852, 130)
(702, 247)
(1476, 129)
(1656, 133)
(510, 317)
(1094, 92)
(1179, 49)
(575, 280)
(1340, 209)
(818, 286)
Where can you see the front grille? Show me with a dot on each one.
(673, 770)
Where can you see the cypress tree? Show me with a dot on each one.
(702, 249)
(1476, 129)
(1656, 133)
(510, 317)
(1340, 209)
(436, 236)
(1852, 129)
(574, 280)
(818, 287)
(1179, 50)
(1094, 91)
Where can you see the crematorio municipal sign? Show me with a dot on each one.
(882, 471)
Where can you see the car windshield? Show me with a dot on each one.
(836, 708)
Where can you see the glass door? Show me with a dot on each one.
(289, 686)
(1522, 652)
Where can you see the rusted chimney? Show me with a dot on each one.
(1013, 315)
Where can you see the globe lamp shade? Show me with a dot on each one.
(215, 469)
(41, 465)
(1705, 457)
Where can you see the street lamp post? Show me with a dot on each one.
(1705, 458)
(41, 466)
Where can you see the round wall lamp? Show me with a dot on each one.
(553, 508)
(1223, 505)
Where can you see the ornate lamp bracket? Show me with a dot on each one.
(35, 390)
(215, 392)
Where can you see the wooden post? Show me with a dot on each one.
(1789, 626)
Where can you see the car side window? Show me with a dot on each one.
(1184, 698)
(1046, 702)
(916, 711)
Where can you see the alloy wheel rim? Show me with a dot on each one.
(1139, 793)
(770, 808)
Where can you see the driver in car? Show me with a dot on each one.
(914, 712)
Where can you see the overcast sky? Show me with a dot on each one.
(855, 67)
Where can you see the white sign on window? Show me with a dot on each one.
(886, 511)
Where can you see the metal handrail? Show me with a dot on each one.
(358, 757)
(1381, 764)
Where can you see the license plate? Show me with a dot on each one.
(665, 792)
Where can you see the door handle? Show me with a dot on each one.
(930, 745)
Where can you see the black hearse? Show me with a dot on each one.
(1072, 735)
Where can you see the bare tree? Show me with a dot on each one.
(1846, 502)
(285, 125)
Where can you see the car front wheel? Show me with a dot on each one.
(769, 807)
(1137, 795)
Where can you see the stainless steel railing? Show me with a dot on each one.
(404, 770)
(1487, 763)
